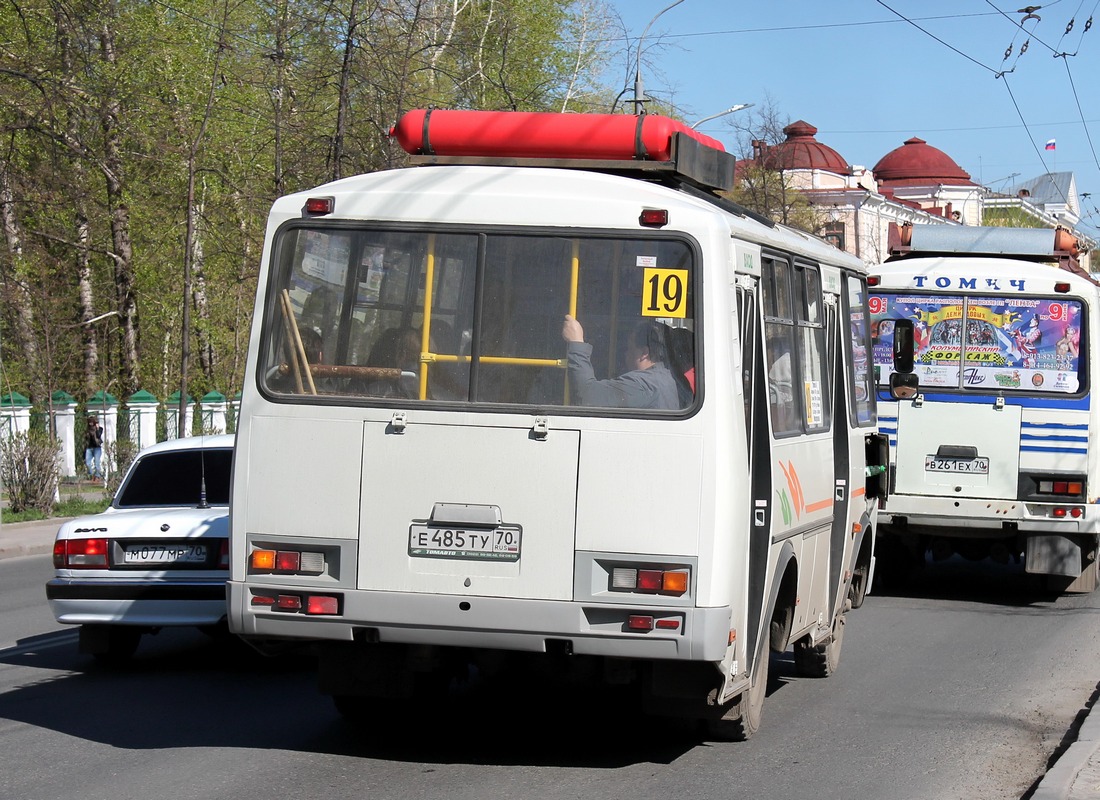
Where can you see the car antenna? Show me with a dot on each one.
(202, 472)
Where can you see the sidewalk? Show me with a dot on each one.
(1076, 773)
(28, 538)
(1074, 776)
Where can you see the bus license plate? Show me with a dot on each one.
(478, 544)
(967, 466)
(164, 554)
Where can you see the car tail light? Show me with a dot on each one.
(223, 555)
(80, 553)
(650, 580)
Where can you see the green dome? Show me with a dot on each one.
(12, 399)
(142, 396)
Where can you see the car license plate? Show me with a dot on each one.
(967, 466)
(474, 544)
(164, 554)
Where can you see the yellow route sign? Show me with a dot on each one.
(664, 292)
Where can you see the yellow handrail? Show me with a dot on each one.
(426, 328)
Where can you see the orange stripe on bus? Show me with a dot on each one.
(862, 490)
(819, 505)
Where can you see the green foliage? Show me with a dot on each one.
(771, 193)
(1011, 217)
(112, 109)
(121, 453)
(77, 505)
(29, 471)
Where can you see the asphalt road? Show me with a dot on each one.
(961, 689)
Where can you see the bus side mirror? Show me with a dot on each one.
(904, 385)
(904, 345)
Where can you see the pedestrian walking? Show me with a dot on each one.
(93, 449)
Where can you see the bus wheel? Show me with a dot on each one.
(857, 592)
(820, 660)
(742, 719)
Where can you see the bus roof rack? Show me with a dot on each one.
(1057, 245)
(645, 146)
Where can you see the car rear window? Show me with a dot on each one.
(175, 479)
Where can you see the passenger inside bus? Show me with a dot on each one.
(400, 348)
(649, 384)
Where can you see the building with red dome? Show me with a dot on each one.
(914, 183)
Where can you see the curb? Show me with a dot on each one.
(1080, 763)
(32, 538)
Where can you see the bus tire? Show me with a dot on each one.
(742, 719)
(820, 660)
(857, 592)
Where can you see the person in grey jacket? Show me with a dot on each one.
(649, 385)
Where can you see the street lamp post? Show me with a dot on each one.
(639, 93)
(730, 110)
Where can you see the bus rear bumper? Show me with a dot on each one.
(492, 623)
(983, 517)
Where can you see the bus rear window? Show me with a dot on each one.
(996, 344)
(366, 315)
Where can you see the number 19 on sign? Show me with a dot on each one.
(665, 293)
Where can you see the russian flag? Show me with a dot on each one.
(1050, 144)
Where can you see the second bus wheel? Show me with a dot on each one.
(821, 660)
(742, 718)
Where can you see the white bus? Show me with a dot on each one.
(444, 459)
(991, 427)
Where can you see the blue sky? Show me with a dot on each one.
(869, 80)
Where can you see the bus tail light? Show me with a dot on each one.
(80, 554)
(1061, 512)
(650, 580)
(288, 602)
(286, 562)
(643, 623)
(639, 622)
(312, 604)
(322, 604)
(1070, 488)
(320, 205)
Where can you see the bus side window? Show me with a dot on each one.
(779, 331)
(813, 362)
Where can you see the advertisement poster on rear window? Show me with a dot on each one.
(985, 343)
